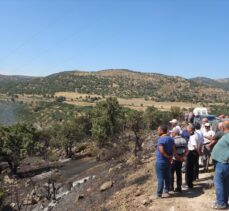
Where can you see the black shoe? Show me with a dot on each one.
(178, 190)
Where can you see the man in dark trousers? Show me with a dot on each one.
(164, 154)
(192, 158)
(176, 165)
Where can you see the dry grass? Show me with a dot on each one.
(133, 103)
(75, 98)
(74, 95)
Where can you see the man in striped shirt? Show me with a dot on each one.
(176, 165)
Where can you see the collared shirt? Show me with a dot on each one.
(220, 151)
(200, 138)
(208, 133)
(193, 142)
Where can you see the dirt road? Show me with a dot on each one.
(134, 187)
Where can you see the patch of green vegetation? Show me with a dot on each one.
(2, 198)
(49, 113)
(123, 83)
(219, 109)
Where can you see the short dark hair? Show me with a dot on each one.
(197, 125)
(163, 128)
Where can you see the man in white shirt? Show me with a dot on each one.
(208, 133)
(208, 137)
(203, 122)
(200, 144)
(192, 158)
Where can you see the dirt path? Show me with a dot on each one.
(141, 186)
(134, 186)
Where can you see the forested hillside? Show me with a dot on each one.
(120, 83)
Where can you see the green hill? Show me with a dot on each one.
(120, 83)
(219, 83)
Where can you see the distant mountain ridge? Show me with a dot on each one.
(219, 83)
(18, 78)
(121, 83)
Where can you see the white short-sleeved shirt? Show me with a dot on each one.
(193, 141)
(200, 137)
(210, 133)
(202, 129)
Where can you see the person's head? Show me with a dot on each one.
(207, 126)
(197, 125)
(204, 120)
(184, 125)
(173, 122)
(220, 126)
(190, 128)
(222, 116)
(162, 129)
(175, 132)
(226, 126)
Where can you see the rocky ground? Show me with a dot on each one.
(123, 183)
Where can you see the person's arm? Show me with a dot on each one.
(213, 140)
(176, 155)
(185, 154)
(210, 137)
(162, 151)
(198, 149)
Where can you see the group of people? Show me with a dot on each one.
(188, 147)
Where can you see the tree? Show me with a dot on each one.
(60, 99)
(136, 124)
(153, 117)
(2, 198)
(69, 133)
(106, 120)
(100, 130)
(15, 143)
(176, 112)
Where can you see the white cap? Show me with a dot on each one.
(173, 121)
(207, 124)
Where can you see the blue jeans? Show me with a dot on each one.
(163, 177)
(221, 182)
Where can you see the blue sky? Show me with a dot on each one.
(186, 38)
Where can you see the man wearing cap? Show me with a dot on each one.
(208, 133)
(208, 136)
(203, 122)
(174, 124)
(220, 156)
(176, 165)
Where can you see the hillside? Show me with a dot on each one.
(14, 78)
(219, 83)
(10, 82)
(120, 83)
